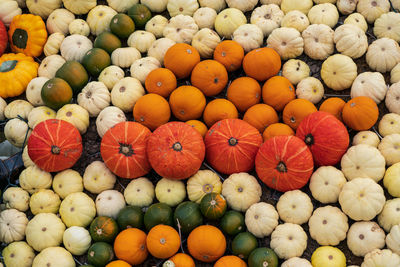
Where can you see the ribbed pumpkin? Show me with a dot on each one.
(230, 261)
(210, 77)
(163, 241)
(55, 145)
(231, 146)
(334, 106)
(360, 113)
(123, 149)
(230, 54)
(130, 246)
(182, 260)
(181, 59)
(284, 163)
(326, 137)
(175, 150)
(262, 63)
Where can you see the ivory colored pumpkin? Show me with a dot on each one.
(288, 240)
(54, 256)
(77, 209)
(389, 148)
(218, 5)
(294, 207)
(326, 183)
(125, 56)
(98, 177)
(50, 65)
(40, 114)
(108, 118)
(370, 84)
(202, 183)
(206, 243)
(364, 237)
(393, 238)
(383, 54)
(205, 41)
(267, 18)
(44, 201)
(94, 97)
(34, 89)
(249, 36)
(42, 8)
(67, 182)
(16, 198)
(295, 19)
(310, 89)
(156, 24)
(389, 124)
(205, 17)
(318, 41)
(26, 159)
(356, 19)
(59, 21)
(350, 40)
(346, 7)
(391, 100)
(13, 224)
(77, 240)
(228, 20)
(159, 48)
(18, 254)
(126, 92)
(139, 192)
(142, 67)
(296, 262)
(111, 75)
(17, 108)
(76, 115)
(9, 9)
(176, 7)
(171, 192)
(261, 219)
(79, 26)
(383, 257)
(295, 70)
(327, 256)
(287, 42)
(395, 74)
(109, 203)
(99, 19)
(75, 46)
(28, 179)
(391, 180)
(288, 5)
(181, 29)
(338, 72)
(372, 10)
(387, 26)
(53, 43)
(390, 215)
(366, 137)
(141, 40)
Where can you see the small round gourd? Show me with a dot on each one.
(371, 84)
(205, 41)
(326, 183)
(9, 9)
(181, 29)
(17, 132)
(121, 6)
(125, 56)
(372, 9)
(249, 36)
(111, 75)
(3, 105)
(77, 209)
(99, 19)
(327, 255)
(26, 159)
(390, 214)
(387, 25)
(202, 183)
(218, 5)
(295, 19)
(383, 54)
(33, 178)
(49, 66)
(159, 48)
(94, 98)
(98, 177)
(363, 237)
(338, 72)
(59, 21)
(311, 89)
(393, 98)
(109, 203)
(79, 26)
(391, 180)
(40, 114)
(176, 7)
(17, 108)
(76, 115)
(155, 6)
(67, 182)
(12, 225)
(156, 25)
(296, 262)
(287, 42)
(54, 256)
(44, 201)
(77, 240)
(350, 40)
(393, 239)
(326, 13)
(143, 66)
(141, 40)
(303, 6)
(267, 18)
(295, 70)
(171, 192)
(294, 207)
(75, 46)
(139, 192)
(367, 138)
(357, 20)
(383, 257)
(242, 5)
(228, 20)
(16, 198)
(126, 92)
(318, 41)
(261, 219)
(288, 240)
(107, 118)
(42, 8)
(395, 74)
(346, 7)
(18, 254)
(34, 89)
(389, 148)
(205, 17)
(53, 43)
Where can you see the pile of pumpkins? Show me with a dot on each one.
(220, 107)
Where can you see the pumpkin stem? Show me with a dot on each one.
(55, 150)
(281, 167)
(126, 150)
(309, 140)
(177, 146)
(232, 141)
(162, 241)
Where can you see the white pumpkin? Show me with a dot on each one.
(346, 6)
(303, 6)
(261, 219)
(143, 66)
(79, 7)
(295, 70)
(288, 240)
(184, 7)
(267, 2)
(3, 105)
(242, 5)
(396, 4)
(364, 237)
(218, 5)
(287, 42)
(107, 118)
(171, 192)
(372, 9)
(157, 6)
(395, 74)
(228, 20)
(358, 20)
(318, 41)
(296, 262)
(99, 19)
(393, 98)
(54, 256)
(338, 72)
(205, 17)
(18, 254)
(390, 148)
(326, 183)
(17, 108)
(391, 181)
(79, 26)
(267, 18)
(17, 132)
(67, 182)
(126, 92)
(53, 44)
(44, 230)
(12, 225)
(121, 6)
(181, 29)
(295, 19)
(59, 21)
(32, 179)
(205, 41)
(77, 240)
(294, 207)
(44, 201)
(74, 47)
(156, 25)
(362, 199)
(76, 115)
(49, 66)
(26, 159)
(367, 138)
(98, 177)
(392, 239)
(388, 25)
(139, 192)
(326, 13)
(34, 90)
(350, 40)
(311, 89)
(241, 190)
(94, 97)
(111, 75)
(202, 183)
(141, 40)
(109, 203)
(159, 48)
(125, 56)
(42, 8)
(390, 214)
(16, 198)
(383, 54)
(377, 258)
(8, 10)
(371, 84)
(249, 36)
(77, 209)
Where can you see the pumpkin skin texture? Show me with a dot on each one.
(123, 149)
(277, 129)
(181, 58)
(244, 92)
(56, 93)
(163, 241)
(213, 206)
(55, 145)
(277, 92)
(231, 146)
(3, 38)
(284, 163)
(27, 34)
(199, 126)
(151, 110)
(230, 54)
(261, 116)
(360, 113)
(296, 110)
(334, 106)
(230, 261)
(130, 246)
(182, 260)
(327, 256)
(263, 256)
(103, 229)
(210, 77)
(262, 63)
(160, 81)
(219, 109)
(326, 137)
(175, 150)
(187, 102)
(188, 215)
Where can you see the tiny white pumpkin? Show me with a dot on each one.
(294, 207)
(32, 179)
(98, 177)
(17, 132)
(76, 115)
(18, 254)
(267, 2)
(350, 40)
(42, 8)
(121, 6)
(310, 88)
(53, 44)
(79, 26)
(218, 5)
(205, 41)
(261, 219)
(3, 105)
(49, 66)
(288, 240)
(367, 138)
(358, 20)
(139, 192)
(296, 262)
(372, 9)
(126, 92)
(390, 148)
(17, 108)
(249, 36)
(242, 5)
(202, 183)
(228, 20)
(125, 56)
(143, 66)
(159, 48)
(379, 257)
(12, 225)
(157, 6)
(184, 7)
(326, 13)
(44, 201)
(205, 17)
(395, 74)
(77, 209)
(318, 41)
(393, 239)
(59, 21)
(79, 7)
(364, 237)
(295, 19)
(67, 182)
(40, 114)
(267, 18)
(338, 72)
(94, 97)
(109, 203)
(388, 25)
(77, 240)
(346, 7)
(326, 183)
(171, 192)
(371, 84)
(16, 198)
(392, 100)
(34, 90)
(107, 118)
(141, 40)
(383, 54)
(181, 29)
(54, 256)
(74, 47)
(99, 19)
(391, 181)
(287, 42)
(156, 25)
(111, 75)
(8, 10)
(303, 6)
(295, 70)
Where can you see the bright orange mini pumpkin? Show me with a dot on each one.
(244, 92)
(151, 110)
(160, 81)
(206, 243)
(277, 92)
(262, 63)
(334, 106)
(182, 260)
(199, 126)
(360, 113)
(276, 129)
(219, 109)
(261, 116)
(296, 110)
(187, 102)
(163, 241)
(230, 261)
(118, 263)
(230, 54)
(210, 77)
(181, 59)
(130, 246)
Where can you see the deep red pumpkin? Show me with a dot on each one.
(123, 149)
(284, 163)
(3, 38)
(232, 145)
(54, 145)
(326, 137)
(175, 150)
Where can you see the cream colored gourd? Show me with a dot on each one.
(121, 6)
(241, 190)
(364, 237)
(109, 203)
(318, 41)
(218, 5)
(350, 40)
(390, 214)
(328, 225)
(3, 105)
(228, 20)
(53, 44)
(338, 72)
(40, 114)
(296, 262)
(295, 19)
(242, 5)
(362, 199)
(54, 256)
(390, 148)
(288, 240)
(205, 17)
(32, 179)
(372, 9)
(42, 8)
(44, 230)
(367, 138)
(267, 2)
(125, 56)
(17, 132)
(59, 21)
(49, 66)
(295, 70)
(287, 42)
(326, 13)
(388, 25)
(67, 182)
(79, 26)
(74, 47)
(77, 209)
(391, 180)
(383, 54)
(294, 207)
(377, 258)
(76, 115)
(94, 97)
(205, 41)
(107, 118)
(171, 192)
(303, 6)
(99, 19)
(18, 254)
(346, 7)
(16, 198)
(326, 183)
(157, 6)
(143, 66)
(392, 100)
(311, 89)
(126, 92)
(141, 40)
(182, 7)
(261, 219)
(156, 25)
(395, 74)
(111, 75)
(357, 20)
(79, 7)
(249, 36)
(17, 108)
(393, 239)
(98, 177)
(34, 90)
(12, 225)
(181, 29)
(371, 84)
(396, 4)
(267, 18)
(139, 192)
(202, 183)
(77, 240)
(159, 48)
(8, 10)
(44, 201)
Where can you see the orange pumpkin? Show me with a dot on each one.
(360, 113)
(181, 59)
(163, 241)
(230, 54)
(210, 77)
(199, 126)
(262, 63)
(118, 263)
(333, 106)
(151, 110)
(261, 116)
(160, 81)
(230, 261)
(219, 109)
(182, 260)
(187, 103)
(296, 110)
(244, 92)
(130, 246)
(277, 92)
(276, 129)
(206, 243)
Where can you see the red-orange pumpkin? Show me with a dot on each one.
(284, 163)
(123, 149)
(326, 137)
(232, 145)
(175, 150)
(55, 145)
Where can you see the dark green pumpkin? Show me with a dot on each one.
(213, 206)
(189, 216)
(261, 257)
(232, 222)
(100, 253)
(95, 60)
(74, 74)
(140, 14)
(103, 229)
(122, 25)
(158, 213)
(243, 244)
(56, 93)
(130, 217)
(107, 41)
